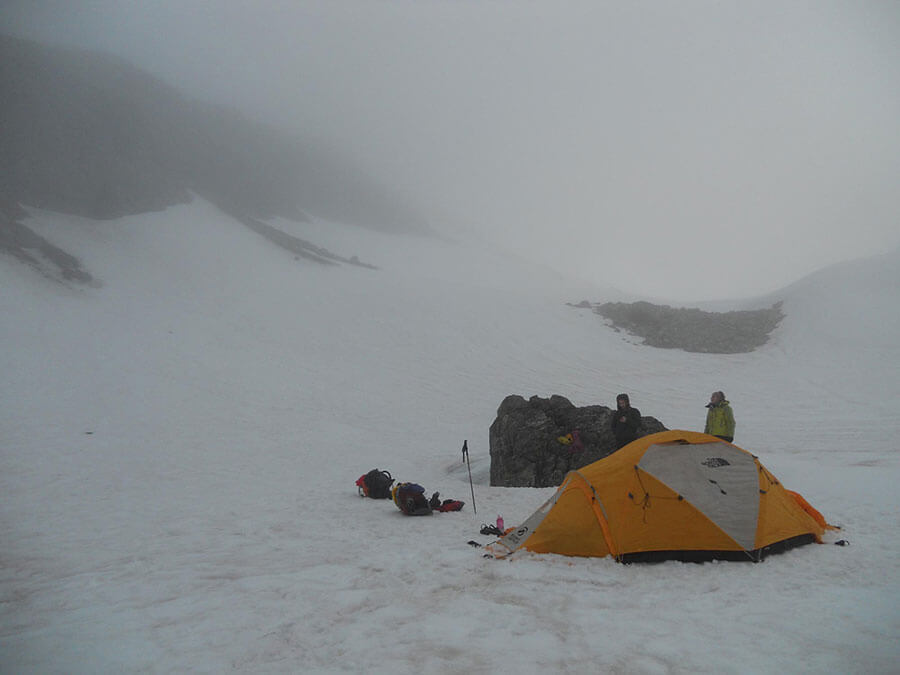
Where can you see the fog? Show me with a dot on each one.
(682, 151)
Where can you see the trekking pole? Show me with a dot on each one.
(471, 485)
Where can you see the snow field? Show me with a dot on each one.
(180, 445)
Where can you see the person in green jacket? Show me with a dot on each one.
(719, 417)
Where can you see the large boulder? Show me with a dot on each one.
(526, 450)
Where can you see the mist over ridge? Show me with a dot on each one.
(93, 135)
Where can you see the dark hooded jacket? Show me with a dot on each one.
(625, 431)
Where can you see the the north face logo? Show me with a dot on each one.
(715, 462)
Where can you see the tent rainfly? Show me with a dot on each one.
(674, 495)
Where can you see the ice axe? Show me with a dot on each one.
(469, 466)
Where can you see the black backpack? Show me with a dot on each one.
(375, 484)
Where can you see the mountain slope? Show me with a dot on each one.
(91, 135)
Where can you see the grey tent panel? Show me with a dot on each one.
(718, 479)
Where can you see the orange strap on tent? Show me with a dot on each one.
(597, 508)
(806, 506)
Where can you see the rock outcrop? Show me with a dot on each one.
(23, 243)
(692, 329)
(531, 446)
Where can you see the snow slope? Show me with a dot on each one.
(178, 448)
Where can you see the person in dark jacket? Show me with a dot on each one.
(625, 421)
(719, 417)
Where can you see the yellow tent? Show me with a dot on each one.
(675, 495)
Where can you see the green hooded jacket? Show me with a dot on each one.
(720, 420)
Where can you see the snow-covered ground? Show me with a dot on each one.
(179, 445)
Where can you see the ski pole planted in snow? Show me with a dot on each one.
(466, 460)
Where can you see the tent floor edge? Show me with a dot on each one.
(755, 555)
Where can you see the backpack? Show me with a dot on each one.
(375, 484)
(410, 499)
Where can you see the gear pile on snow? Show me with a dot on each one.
(409, 497)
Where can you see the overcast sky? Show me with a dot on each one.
(687, 151)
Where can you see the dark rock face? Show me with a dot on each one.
(525, 446)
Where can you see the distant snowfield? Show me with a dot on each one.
(178, 451)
